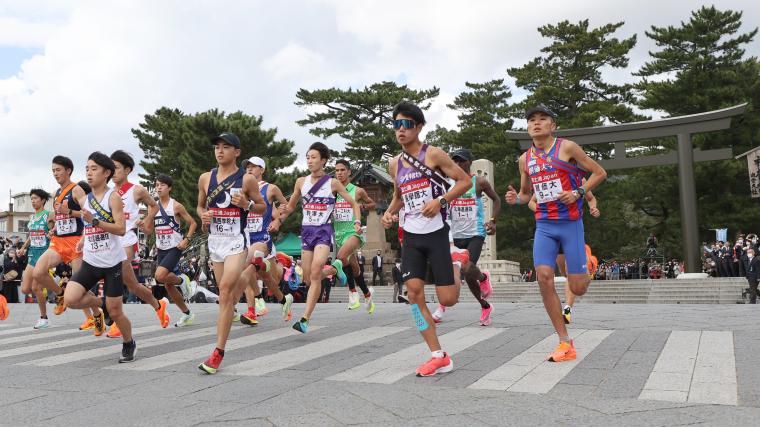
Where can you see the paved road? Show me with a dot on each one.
(637, 365)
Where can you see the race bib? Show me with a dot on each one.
(415, 194)
(255, 223)
(38, 238)
(344, 212)
(164, 238)
(64, 224)
(225, 222)
(464, 209)
(96, 239)
(315, 213)
(547, 191)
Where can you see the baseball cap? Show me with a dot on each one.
(540, 108)
(228, 137)
(256, 161)
(462, 153)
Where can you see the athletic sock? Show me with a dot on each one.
(438, 354)
(43, 317)
(304, 319)
(484, 303)
(221, 352)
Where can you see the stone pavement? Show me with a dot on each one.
(637, 365)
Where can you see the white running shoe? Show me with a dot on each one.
(438, 313)
(368, 301)
(353, 300)
(185, 320)
(185, 288)
(287, 314)
(42, 323)
(261, 306)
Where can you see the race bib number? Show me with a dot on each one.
(96, 239)
(315, 213)
(547, 191)
(225, 222)
(415, 194)
(164, 238)
(65, 224)
(255, 223)
(464, 209)
(344, 212)
(38, 238)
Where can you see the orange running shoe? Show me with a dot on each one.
(99, 321)
(60, 307)
(565, 351)
(163, 317)
(114, 332)
(436, 365)
(87, 325)
(4, 310)
(249, 318)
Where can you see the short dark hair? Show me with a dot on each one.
(63, 161)
(165, 179)
(410, 110)
(124, 158)
(42, 194)
(344, 162)
(103, 161)
(85, 186)
(324, 152)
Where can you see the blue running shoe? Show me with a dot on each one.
(301, 326)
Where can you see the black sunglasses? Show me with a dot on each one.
(406, 123)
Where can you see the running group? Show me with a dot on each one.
(437, 203)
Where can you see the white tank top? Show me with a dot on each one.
(131, 209)
(166, 237)
(319, 210)
(101, 248)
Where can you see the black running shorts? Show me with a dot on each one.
(420, 249)
(474, 246)
(89, 276)
(168, 259)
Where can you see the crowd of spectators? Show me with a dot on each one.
(729, 259)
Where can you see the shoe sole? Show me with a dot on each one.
(207, 369)
(247, 321)
(567, 359)
(113, 336)
(441, 370)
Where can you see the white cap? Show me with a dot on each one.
(257, 161)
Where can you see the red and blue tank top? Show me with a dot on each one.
(550, 176)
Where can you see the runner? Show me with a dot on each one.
(567, 310)
(347, 241)
(424, 195)
(469, 229)
(259, 229)
(317, 195)
(103, 254)
(65, 234)
(89, 316)
(223, 198)
(39, 226)
(132, 195)
(549, 169)
(170, 243)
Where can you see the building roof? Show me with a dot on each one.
(377, 172)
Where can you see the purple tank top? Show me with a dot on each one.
(417, 190)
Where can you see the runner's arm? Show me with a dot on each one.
(288, 208)
(275, 195)
(485, 187)
(251, 193)
(77, 193)
(442, 161)
(361, 195)
(513, 197)
(185, 216)
(119, 226)
(142, 195)
(533, 204)
(598, 174)
(201, 208)
(340, 189)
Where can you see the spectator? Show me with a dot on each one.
(398, 290)
(11, 275)
(753, 274)
(362, 261)
(377, 269)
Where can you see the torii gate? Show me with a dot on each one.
(682, 127)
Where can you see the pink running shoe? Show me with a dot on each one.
(485, 315)
(485, 286)
(436, 365)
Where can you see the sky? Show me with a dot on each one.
(76, 76)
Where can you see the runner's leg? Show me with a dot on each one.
(318, 258)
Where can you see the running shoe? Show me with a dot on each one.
(100, 323)
(211, 365)
(438, 313)
(249, 318)
(403, 298)
(261, 306)
(42, 324)
(4, 310)
(353, 300)
(436, 365)
(567, 314)
(301, 326)
(87, 325)
(128, 352)
(161, 313)
(287, 314)
(113, 331)
(60, 307)
(341, 275)
(185, 320)
(485, 285)
(185, 288)
(368, 301)
(235, 316)
(485, 315)
(565, 351)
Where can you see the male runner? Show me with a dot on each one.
(39, 226)
(567, 310)
(553, 168)
(347, 241)
(424, 195)
(222, 206)
(260, 246)
(317, 195)
(66, 233)
(132, 195)
(170, 243)
(103, 253)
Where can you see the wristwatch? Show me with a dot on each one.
(442, 200)
(581, 191)
(95, 222)
(250, 205)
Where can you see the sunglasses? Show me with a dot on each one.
(406, 123)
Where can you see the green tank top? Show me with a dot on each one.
(343, 221)
(38, 231)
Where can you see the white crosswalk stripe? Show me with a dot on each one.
(298, 355)
(17, 330)
(393, 367)
(175, 357)
(529, 372)
(32, 335)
